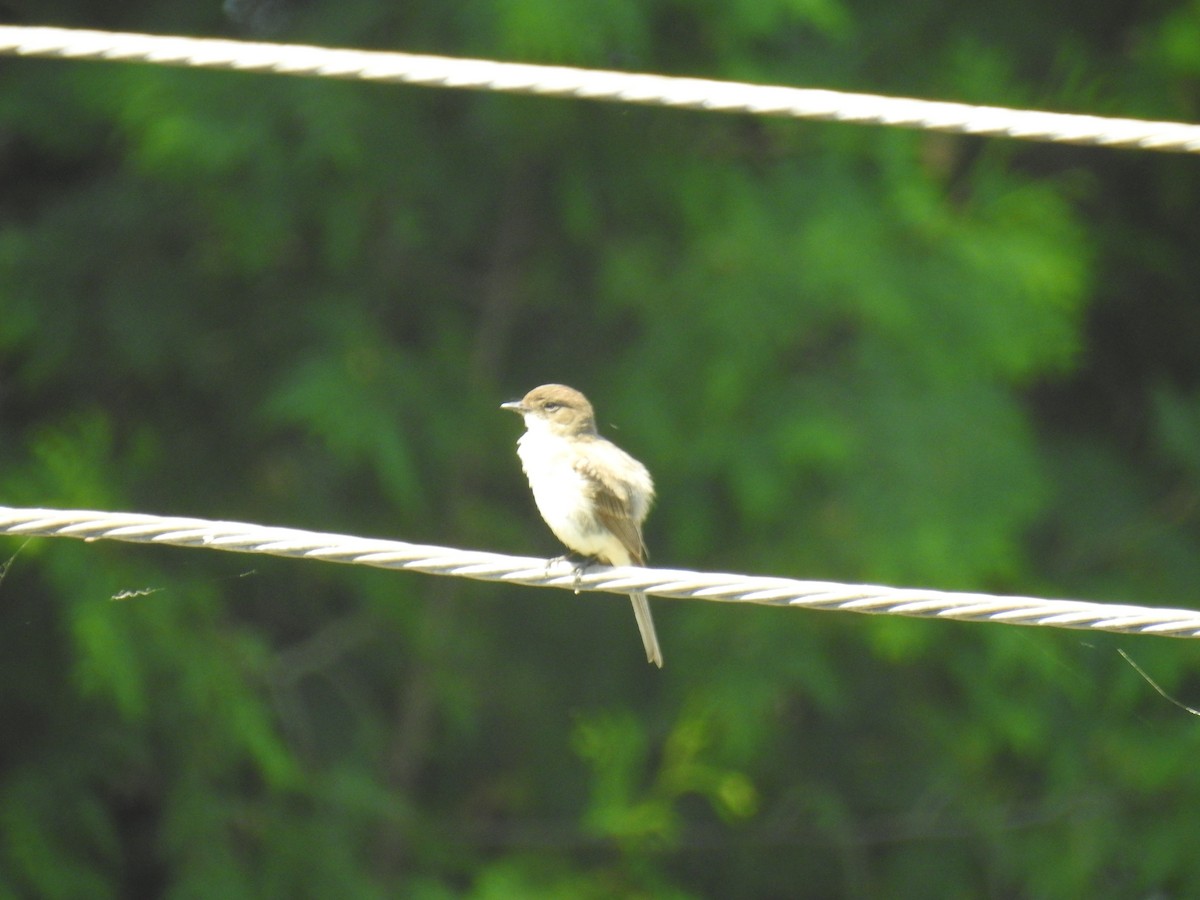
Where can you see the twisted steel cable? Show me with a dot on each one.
(241, 537)
(617, 87)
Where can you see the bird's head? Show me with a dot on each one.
(555, 408)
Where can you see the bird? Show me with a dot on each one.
(592, 494)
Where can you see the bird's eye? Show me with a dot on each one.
(551, 406)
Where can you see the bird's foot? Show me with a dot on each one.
(580, 564)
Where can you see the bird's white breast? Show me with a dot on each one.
(562, 493)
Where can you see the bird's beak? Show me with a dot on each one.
(514, 405)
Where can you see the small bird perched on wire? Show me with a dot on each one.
(592, 494)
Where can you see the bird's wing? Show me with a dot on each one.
(612, 502)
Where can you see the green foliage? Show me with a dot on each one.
(848, 353)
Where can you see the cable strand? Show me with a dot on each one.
(242, 537)
(610, 86)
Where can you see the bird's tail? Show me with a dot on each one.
(645, 623)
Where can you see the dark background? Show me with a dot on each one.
(846, 353)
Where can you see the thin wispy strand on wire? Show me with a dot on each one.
(242, 537)
(615, 87)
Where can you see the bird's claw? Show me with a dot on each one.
(580, 564)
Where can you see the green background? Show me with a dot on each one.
(846, 353)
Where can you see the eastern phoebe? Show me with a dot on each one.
(592, 494)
